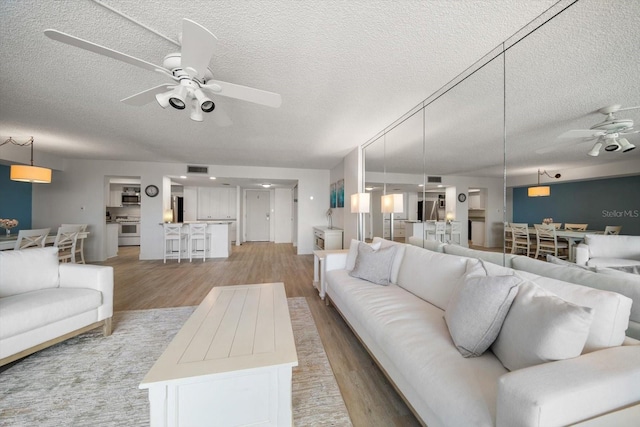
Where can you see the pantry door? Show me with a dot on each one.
(258, 205)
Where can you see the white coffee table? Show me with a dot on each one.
(230, 364)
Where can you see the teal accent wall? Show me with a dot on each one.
(15, 200)
(599, 203)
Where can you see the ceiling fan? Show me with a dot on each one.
(609, 132)
(193, 81)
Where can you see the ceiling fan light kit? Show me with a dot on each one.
(189, 70)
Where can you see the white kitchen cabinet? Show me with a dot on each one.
(216, 203)
(115, 198)
(112, 240)
(477, 233)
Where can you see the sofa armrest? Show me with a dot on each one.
(582, 254)
(572, 390)
(96, 277)
(335, 261)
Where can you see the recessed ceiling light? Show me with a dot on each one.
(440, 185)
(420, 185)
(266, 185)
(212, 177)
(368, 188)
(183, 177)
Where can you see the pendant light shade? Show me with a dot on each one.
(539, 191)
(34, 174)
(28, 173)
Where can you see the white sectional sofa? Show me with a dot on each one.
(43, 302)
(608, 251)
(403, 327)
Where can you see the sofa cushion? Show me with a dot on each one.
(31, 310)
(28, 270)
(498, 258)
(613, 308)
(374, 265)
(613, 246)
(541, 327)
(631, 269)
(611, 262)
(559, 261)
(477, 310)
(353, 252)
(397, 262)
(431, 275)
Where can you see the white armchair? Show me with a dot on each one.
(43, 302)
(608, 251)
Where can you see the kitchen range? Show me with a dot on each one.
(128, 230)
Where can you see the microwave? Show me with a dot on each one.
(130, 199)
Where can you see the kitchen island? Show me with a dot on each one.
(218, 243)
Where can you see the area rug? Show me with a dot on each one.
(91, 380)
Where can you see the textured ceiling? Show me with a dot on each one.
(345, 69)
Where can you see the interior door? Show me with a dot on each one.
(258, 215)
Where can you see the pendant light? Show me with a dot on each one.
(28, 173)
(541, 190)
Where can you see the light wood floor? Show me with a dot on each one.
(369, 397)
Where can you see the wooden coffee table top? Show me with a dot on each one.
(234, 328)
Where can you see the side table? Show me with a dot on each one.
(318, 268)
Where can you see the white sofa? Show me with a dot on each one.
(402, 326)
(598, 250)
(43, 302)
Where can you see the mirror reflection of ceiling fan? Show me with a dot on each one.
(193, 84)
(609, 133)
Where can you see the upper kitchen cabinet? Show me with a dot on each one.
(216, 203)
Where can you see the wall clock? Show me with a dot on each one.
(462, 197)
(151, 190)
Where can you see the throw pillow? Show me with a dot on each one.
(374, 266)
(477, 310)
(541, 327)
(353, 252)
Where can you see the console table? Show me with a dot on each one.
(230, 364)
(325, 238)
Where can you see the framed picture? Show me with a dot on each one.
(340, 193)
(332, 195)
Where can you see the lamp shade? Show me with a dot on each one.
(539, 191)
(34, 174)
(392, 203)
(360, 203)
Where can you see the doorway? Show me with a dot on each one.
(258, 215)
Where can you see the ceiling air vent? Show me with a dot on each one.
(434, 179)
(198, 169)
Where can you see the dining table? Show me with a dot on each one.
(572, 237)
(9, 242)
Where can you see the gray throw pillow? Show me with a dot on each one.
(477, 310)
(374, 266)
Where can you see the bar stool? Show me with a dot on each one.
(441, 231)
(172, 234)
(197, 232)
(455, 233)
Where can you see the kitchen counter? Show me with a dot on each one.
(218, 244)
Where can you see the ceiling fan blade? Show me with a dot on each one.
(582, 133)
(628, 108)
(198, 46)
(244, 93)
(101, 50)
(146, 96)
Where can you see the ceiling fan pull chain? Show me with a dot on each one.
(135, 21)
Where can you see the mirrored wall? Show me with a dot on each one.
(469, 152)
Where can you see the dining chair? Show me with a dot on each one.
(521, 238)
(31, 238)
(612, 229)
(508, 238)
(66, 240)
(575, 227)
(197, 233)
(172, 234)
(455, 233)
(441, 231)
(547, 242)
(79, 244)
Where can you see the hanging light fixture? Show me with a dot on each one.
(541, 190)
(26, 173)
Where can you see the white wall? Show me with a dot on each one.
(77, 195)
(283, 218)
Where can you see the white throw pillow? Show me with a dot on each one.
(28, 270)
(353, 252)
(374, 266)
(477, 310)
(541, 327)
